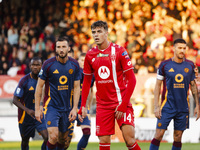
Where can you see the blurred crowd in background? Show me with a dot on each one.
(146, 28)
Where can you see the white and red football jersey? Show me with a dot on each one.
(108, 66)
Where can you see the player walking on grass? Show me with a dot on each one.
(62, 73)
(115, 82)
(177, 74)
(25, 101)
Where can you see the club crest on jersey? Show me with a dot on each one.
(71, 71)
(186, 70)
(124, 53)
(104, 72)
(102, 55)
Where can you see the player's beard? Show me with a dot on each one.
(62, 56)
(181, 56)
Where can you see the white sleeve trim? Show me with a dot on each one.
(128, 69)
(160, 77)
(87, 73)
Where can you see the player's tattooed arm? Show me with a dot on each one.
(194, 90)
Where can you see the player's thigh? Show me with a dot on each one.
(52, 117)
(41, 128)
(27, 130)
(181, 121)
(127, 119)
(128, 132)
(64, 123)
(105, 121)
(68, 139)
(166, 118)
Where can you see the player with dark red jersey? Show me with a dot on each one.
(115, 82)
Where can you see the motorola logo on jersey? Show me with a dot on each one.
(104, 72)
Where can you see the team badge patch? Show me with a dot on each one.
(124, 53)
(186, 70)
(49, 122)
(18, 90)
(159, 124)
(102, 55)
(41, 72)
(71, 71)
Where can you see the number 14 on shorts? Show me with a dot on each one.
(127, 117)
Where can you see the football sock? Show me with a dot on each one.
(176, 145)
(135, 146)
(84, 140)
(104, 146)
(154, 144)
(44, 145)
(60, 146)
(51, 146)
(24, 147)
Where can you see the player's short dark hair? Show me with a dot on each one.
(179, 41)
(36, 59)
(63, 38)
(100, 23)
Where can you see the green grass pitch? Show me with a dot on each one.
(35, 145)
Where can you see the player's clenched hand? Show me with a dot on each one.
(72, 115)
(82, 113)
(197, 112)
(157, 112)
(118, 114)
(37, 116)
(31, 113)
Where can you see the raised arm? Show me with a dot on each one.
(38, 97)
(194, 90)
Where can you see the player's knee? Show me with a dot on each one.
(86, 131)
(53, 137)
(177, 137)
(130, 141)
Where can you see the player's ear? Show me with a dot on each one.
(69, 49)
